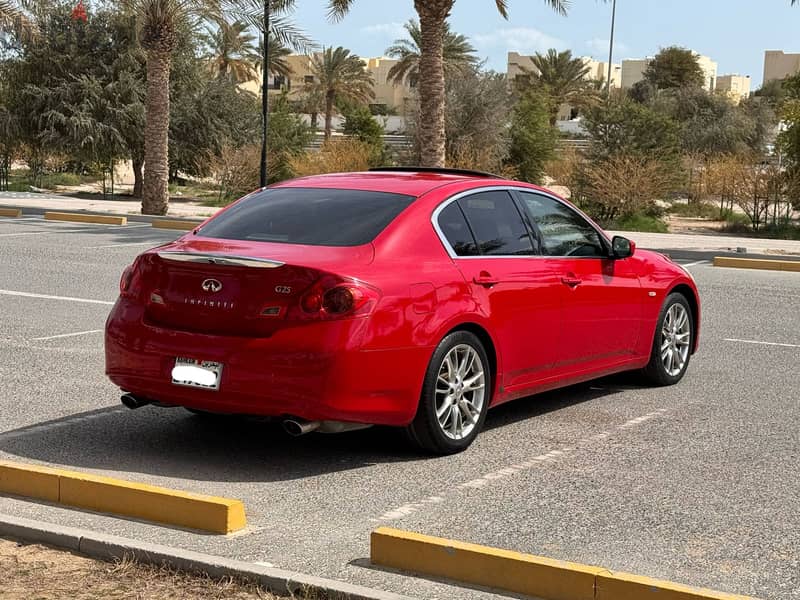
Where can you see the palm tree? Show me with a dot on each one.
(15, 17)
(563, 76)
(160, 22)
(232, 51)
(278, 65)
(340, 75)
(457, 53)
(432, 19)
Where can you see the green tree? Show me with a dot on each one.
(675, 67)
(362, 125)
(533, 139)
(340, 76)
(457, 53)
(433, 16)
(278, 65)
(288, 136)
(232, 52)
(563, 78)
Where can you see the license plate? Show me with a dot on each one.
(197, 373)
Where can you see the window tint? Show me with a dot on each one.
(455, 229)
(318, 217)
(563, 231)
(496, 223)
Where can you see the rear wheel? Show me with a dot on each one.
(455, 396)
(672, 343)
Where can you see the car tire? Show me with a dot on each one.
(454, 401)
(673, 341)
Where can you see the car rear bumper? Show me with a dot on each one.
(317, 371)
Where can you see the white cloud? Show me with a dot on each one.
(599, 48)
(525, 40)
(386, 30)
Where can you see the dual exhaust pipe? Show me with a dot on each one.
(294, 427)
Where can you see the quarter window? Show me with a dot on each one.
(496, 224)
(563, 231)
(455, 229)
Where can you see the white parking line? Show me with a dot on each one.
(66, 335)
(762, 343)
(49, 297)
(695, 263)
(56, 230)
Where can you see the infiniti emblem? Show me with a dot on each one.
(211, 285)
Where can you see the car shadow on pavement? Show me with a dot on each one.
(176, 444)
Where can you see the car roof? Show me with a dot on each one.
(411, 183)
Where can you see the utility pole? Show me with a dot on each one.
(265, 94)
(611, 48)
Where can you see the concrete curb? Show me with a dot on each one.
(29, 211)
(51, 215)
(120, 497)
(755, 263)
(182, 224)
(108, 547)
(527, 574)
(14, 213)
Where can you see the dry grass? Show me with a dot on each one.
(34, 572)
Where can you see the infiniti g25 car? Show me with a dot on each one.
(409, 297)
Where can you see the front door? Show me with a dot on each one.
(601, 296)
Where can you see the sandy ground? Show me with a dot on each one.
(34, 572)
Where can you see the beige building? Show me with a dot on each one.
(779, 65)
(633, 71)
(389, 95)
(736, 87)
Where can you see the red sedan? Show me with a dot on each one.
(413, 298)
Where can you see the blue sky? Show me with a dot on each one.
(734, 33)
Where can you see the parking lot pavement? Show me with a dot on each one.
(695, 483)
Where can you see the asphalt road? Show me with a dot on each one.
(696, 483)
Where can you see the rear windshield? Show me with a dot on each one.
(317, 217)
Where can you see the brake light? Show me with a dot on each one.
(336, 298)
(129, 281)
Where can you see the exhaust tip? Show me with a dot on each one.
(298, 428)
(132, 402)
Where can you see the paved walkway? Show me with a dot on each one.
(186, 208)
(47, 201)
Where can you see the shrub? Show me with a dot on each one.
(641, 223)
(335, 156)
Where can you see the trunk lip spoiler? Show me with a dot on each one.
(213, 258)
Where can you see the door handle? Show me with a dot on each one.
(572, 282)
(485, 279)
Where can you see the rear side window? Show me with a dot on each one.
(496, 223)
(316, 217)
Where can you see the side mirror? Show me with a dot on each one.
(622, 247)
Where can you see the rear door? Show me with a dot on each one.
(518, 292)
(601, 297)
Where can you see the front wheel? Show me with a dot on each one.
(455, 396)
(672, 343)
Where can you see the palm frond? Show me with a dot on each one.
(337, 9)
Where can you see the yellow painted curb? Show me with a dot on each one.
(538, 576)
(481, 565)
(175, 224)
(624, 586)
(11, 212)
(757, 263)
(115, 496)
(82, 218)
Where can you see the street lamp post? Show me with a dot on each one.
(265, 95)
(611, 47)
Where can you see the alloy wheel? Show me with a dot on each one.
(460, 391)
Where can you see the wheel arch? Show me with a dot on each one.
(694, 304)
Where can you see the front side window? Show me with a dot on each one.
(312, 216)
(563, 231)
(496, 224)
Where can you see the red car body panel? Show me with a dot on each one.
(540, 332)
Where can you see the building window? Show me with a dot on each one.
(278, 82)
(308, 79)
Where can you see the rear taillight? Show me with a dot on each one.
(130, 280)
(335, 298)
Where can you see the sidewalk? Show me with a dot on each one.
(48, 201)
(191, 209)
